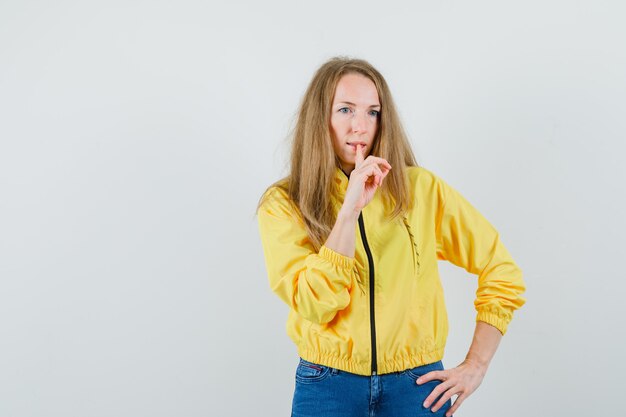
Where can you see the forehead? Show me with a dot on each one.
(356, 88)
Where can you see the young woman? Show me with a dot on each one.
(351, 239)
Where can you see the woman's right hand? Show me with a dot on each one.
(365, 178)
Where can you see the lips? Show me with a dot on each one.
(353, 145)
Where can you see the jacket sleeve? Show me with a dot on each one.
(466, 239)
(314, 284)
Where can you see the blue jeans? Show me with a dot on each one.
(322, 391)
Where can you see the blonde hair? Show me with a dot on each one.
(313, 163)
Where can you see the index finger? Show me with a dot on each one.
(359, 155)
(432, 375)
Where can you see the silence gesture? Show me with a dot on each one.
(368, 174)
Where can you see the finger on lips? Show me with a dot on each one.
(379, 166)
(359, 155)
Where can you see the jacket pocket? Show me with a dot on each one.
(309, 372)
(414, 247)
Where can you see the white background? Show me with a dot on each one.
(137, 136)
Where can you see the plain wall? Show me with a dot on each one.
(137, 136)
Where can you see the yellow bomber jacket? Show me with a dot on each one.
(383, 310)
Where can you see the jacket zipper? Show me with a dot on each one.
(370, 262)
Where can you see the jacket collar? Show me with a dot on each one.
(341, 179)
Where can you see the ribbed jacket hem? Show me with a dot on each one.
(397, 364)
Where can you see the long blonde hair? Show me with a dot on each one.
(309, 184)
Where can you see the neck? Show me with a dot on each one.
(347, 169)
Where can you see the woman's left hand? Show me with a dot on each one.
(462, 380)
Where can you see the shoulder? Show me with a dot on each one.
(276, 201)
(427, 186)
(423, 178)
(275, 191)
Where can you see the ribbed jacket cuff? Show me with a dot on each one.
(493, 319)
(336, 258)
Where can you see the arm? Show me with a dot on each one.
(315, 284)
(467, 239)
(484, 345)
(465, 378)
(342, 238)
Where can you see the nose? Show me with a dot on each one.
(359, 123)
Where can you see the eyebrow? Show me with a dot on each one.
(352, 104)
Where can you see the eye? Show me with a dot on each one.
(344, 110)
(374, 113)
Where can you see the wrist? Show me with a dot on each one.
(479, 364)
(346, 214)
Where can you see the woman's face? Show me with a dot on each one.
(354, 118)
